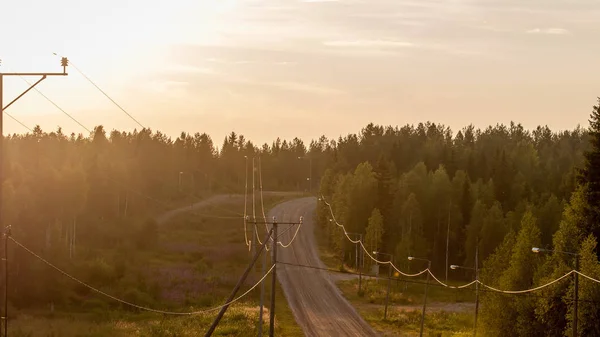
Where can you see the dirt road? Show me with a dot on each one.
(197, 205)
(318, 305)
(212, 201)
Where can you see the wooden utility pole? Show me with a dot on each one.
(273, 280)
(237, 287)
(64, 62)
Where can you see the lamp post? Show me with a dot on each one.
(180, 174)
(309, 172)
(576, 281)
(387, 294)
(356, 259)
(412, 258)
(476, 269)
(358, 262)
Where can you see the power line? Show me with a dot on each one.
(57, 106)
(435, 278)
(73, 118)
(18, 121)
(322, 198)
(104, 93)
(133, 304)
(107, 176)
(412, 281)
(293, 237)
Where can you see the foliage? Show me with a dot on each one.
(375, 231)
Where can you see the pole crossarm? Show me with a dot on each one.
(24, 92)
(64, 63)
(34, 74)
(278, 223)
(43, 75)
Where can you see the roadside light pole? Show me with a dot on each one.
(358, 261)
(387, 294)
(309, 172)
(575, 282)
(412, 258)
(64, 62)
(180, 174)
(455, 267)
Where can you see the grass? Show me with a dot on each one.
(450, 311)
(196, 262)
(240, 320)
(327, 256)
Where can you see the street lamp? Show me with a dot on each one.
(387, 294)
(412, 258)
(455, 267)
(358, 262)
(180, 174)
(309, 179)
(576, 281)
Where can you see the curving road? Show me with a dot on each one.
(318, 305)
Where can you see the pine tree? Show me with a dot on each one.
(374, 231)
(590, 175)
(589, 292)
(384, 173)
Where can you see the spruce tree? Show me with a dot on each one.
(590, 175)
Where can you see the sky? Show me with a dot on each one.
(302, 68)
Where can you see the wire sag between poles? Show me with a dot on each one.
(198, 312)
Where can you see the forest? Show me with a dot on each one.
(480, 195)
(422, 190)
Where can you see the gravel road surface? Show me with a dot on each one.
(318, 305)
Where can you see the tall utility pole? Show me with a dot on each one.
(273, 280)
(309, 174)
(476, 287)
(274, 225)
(237, 287)
(448, 239)
(262, 292)
(575, 296)
(255, 233)
(6, 236)
(64, 62)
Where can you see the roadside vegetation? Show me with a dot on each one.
(191, 262)
(449, 312)
(478, 199)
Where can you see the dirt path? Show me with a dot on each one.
(214, 200)
(221, 198)
(318, 305)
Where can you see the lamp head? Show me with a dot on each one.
(453, 266)
(410, 258)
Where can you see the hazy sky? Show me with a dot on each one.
(268, 68)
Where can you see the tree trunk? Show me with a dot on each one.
(126, 204)
(448, 241)
(48, 236)
(74, 234)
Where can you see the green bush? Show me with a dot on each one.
(99, 272)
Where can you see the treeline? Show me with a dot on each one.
(435, 191)
(89, 202)
(496, 193)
